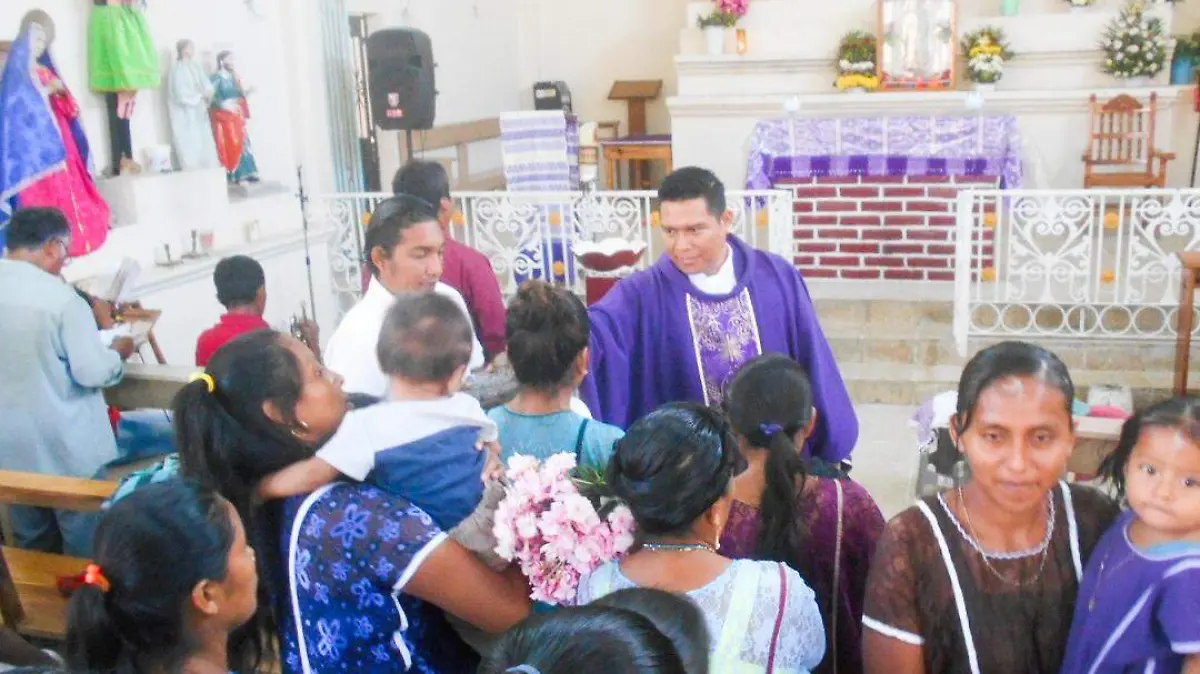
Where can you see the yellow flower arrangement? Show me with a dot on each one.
(857, 81)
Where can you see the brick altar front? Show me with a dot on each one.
(886, 227)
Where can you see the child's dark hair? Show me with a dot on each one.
(547, 328)
(675, 615)
(238, 279)
(672, 466)
(425, 338)
(227, 442)
(1181, 412)
(391, 218)
(152, 548)
(769, 401)
(1005, 360)
(584, 640)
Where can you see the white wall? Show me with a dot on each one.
(214, 25)
(590, 45)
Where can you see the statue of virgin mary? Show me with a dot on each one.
(43, 150)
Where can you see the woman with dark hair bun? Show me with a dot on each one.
(173, 577)
(547, 334)
(674, 469)
(984, 578)
(823, 528)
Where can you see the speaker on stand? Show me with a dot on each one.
(400, 74)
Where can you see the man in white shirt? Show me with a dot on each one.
(404, 246)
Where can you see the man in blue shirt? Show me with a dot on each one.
(53, 368)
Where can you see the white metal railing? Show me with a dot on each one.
(529, 234)
(1071, 264)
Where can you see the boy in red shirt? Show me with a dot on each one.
(241, 288)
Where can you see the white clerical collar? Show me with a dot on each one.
(720, 283)
(377, 293)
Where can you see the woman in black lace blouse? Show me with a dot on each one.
(983, 579)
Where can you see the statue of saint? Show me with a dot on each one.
(121, 61)
(43, 150)
(191, 94)
(229, 114)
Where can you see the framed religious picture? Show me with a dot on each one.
(917, 44)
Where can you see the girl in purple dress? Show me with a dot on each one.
(824, 528)
(1140, 597)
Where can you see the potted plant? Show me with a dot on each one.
(725, 14)
(1135, 45)
(856, 62)
(1183, 60)
(985, 52)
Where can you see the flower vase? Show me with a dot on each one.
(1009, 7)
(1183, 71)
(985, 87)
(1139, 81)
(714, 39)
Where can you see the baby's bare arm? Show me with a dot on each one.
(296, 479)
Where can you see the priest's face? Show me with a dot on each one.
(695, 238)
(415, 264)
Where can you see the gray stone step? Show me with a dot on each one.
(893, 350)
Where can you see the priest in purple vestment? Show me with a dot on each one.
(680, 329)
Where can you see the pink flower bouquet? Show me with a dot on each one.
(553, 531)
(737, 8)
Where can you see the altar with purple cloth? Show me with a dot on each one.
(875, 197)
(802, 147)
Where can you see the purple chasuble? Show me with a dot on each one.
(657, 339)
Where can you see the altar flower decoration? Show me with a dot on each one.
(1135, 45)
(559, 524)
(726, 13)
(1081, 3)
(857, 53)
(986, 52)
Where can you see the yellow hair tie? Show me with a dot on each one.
(205, 377)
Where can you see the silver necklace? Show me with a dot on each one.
(678, 547)
(973, 539)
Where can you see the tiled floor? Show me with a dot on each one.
(886, 456)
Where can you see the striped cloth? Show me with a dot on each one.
(541, 151)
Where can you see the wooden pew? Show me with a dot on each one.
(460, 137)
(30, 602)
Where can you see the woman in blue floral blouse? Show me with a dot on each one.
(359, 579)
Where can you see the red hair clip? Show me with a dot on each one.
(92, 575)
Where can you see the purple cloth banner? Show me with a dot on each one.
(784, 148)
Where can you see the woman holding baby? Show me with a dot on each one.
(353, 575)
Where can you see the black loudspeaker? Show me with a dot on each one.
(400, 73)
(552, 96)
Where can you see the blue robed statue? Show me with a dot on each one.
(44, 153)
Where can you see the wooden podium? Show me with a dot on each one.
(635, 93)
(637, 147)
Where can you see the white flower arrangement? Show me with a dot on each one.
(1081, 3)
(985, 51)
(1135, 45)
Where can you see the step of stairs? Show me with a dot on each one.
(894, 345)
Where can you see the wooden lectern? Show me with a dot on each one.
(637, 148)
(635, 93)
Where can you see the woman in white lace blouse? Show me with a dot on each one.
(674, 468)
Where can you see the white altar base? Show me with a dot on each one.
(155, 198)
(791, 53)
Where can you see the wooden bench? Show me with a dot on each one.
(460, 137)
(30, 601)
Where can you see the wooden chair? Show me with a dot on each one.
(1121, 145)
(30, 601)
